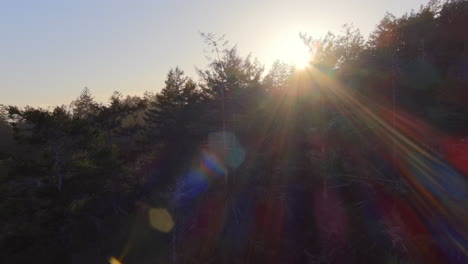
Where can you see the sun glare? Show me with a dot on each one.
(300, 58)
(291, 50)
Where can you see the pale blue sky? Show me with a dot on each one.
(50, 50)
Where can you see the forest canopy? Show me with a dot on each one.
(360, 157)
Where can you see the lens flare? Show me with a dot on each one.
(113, 260)
(160, 219)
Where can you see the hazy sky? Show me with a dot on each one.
(51, 50)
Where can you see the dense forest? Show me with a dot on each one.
(361, 157)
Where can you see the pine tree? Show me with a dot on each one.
(84, 106)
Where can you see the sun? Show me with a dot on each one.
(300, 58)
(293, 51)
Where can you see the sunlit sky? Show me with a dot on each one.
(51, 50)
